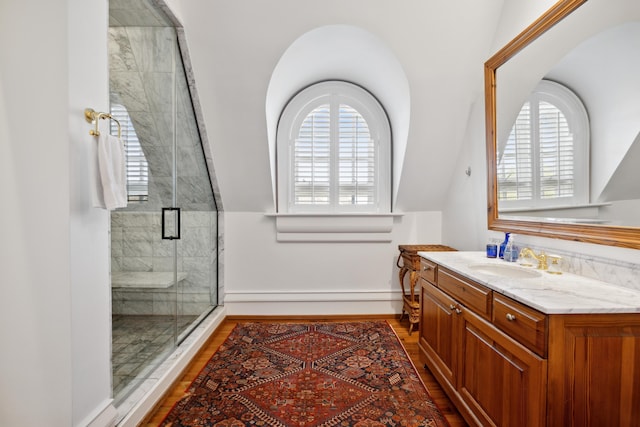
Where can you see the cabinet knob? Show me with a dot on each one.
(452, 307)
(511, 317)
(426, 268)
(458, 311)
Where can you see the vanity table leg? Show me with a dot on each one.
(401, 274)
(414, 310)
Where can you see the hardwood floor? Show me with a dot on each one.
(402, 330)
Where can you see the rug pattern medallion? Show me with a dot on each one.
(308, 375)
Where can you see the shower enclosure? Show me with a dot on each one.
(164, 245)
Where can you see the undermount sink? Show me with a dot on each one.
(510, 271)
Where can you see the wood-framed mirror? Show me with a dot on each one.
(510, 77)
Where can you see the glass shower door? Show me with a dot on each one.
(161, 287)
(196, 261)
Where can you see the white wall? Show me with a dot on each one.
(465, 213)
(89, 227)
(35, 363)
(54, 316)
(262, 274)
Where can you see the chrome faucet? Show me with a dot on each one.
(541, 257)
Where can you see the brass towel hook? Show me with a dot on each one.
(94, 117)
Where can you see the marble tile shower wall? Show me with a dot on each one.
(142, 72)
(136, 245)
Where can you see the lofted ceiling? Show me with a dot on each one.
(235, 46)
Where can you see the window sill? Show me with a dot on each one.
(550, 207)
(348, 227)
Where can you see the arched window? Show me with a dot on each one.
(545, 161)
(333, 150)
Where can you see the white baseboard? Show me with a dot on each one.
(104, 416)
(312, 303)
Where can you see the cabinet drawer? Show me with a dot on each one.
(472, 295)
(428, 270)
(524, 324)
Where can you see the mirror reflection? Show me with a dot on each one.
(568, 121)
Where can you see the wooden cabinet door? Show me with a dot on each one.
(502, 382)
(594, 369)
(437, 331)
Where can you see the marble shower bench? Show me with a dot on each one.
(153, 293)
(144, 279)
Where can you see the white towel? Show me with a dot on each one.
(97, 198)
(111, 185)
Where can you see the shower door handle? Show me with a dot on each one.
(171, 230)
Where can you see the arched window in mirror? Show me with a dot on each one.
(545, 162)
(333, 149)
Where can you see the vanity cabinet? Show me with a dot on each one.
(502, 363)
(491, 377)
(499, 380)
(594, 370)
(437, 337)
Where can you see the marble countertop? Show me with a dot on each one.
(549, 293)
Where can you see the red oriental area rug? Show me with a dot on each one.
(320, 374)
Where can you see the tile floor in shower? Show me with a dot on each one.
(139, 343)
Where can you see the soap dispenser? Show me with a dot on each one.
(510, 251)
(503, 245)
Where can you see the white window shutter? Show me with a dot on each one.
(356, 159)
(515, 169)
(556, 153)
(136, 163)
(311, 159)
